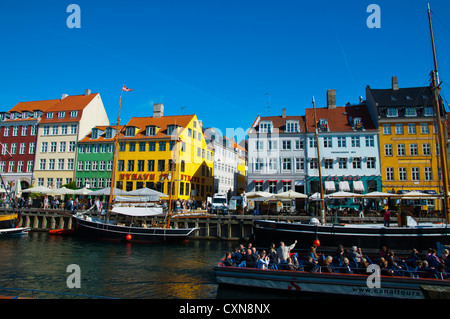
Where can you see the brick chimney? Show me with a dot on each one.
(158, 110)
(394, 83)
(87, 92)
(331, 99)
(284, 113)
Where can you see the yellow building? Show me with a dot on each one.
(409, 145)
(149, 145)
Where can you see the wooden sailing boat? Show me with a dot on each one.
(112, 230)
(374, 236)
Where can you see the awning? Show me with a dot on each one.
(138, 211)
(272, 180)
(344, 187)
(259, 181)
(329, 186)
(286, 181)
(358, 186)
(431, 192)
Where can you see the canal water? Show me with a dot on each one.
(36, 265)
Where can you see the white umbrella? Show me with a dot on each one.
(37, 189)
(416, 195)
(61, 191)
(82, 191)
(258, 194)
(343, 195)
(107, 191)
(290, 194)
(316, 196)
(379, 195)
(147, 192)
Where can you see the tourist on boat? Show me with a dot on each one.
(283, 251)
(392, 260)
(309, 264)
(345, 268)
(446, 259)
(228, 261)
(384, 269)
(386, 217)
(426, 271)
(289, 265)
(263, 261)
(341, 253)
(383, 252)
(356, 254)
(272, 253)
(237, 256)
(326, 267)
(413, 258)
(248, 258)
(312, 252)
(432, 259)
(441, 270)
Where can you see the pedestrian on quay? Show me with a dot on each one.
(387, 217)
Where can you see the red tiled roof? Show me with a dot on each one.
(69, 103)
(279, 122)
(339, 118)
(34, 105)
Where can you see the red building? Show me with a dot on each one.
(18, 136)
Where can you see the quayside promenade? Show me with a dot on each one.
(214, 227)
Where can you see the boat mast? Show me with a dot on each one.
(116, 142)
(172, 178)
(442, 126)
(322, 203)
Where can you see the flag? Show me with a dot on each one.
(124, 88)
(179, 139)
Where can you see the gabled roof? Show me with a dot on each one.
(339, 118)
(161, 122)
(405, 97)
(34, 105)
(279, 122)
(68, 104)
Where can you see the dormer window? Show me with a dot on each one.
(73, 114)
(410, 111)
(50, 115)
(323, 125)
(37, 114)
(428, 111)
(392, 112)
(171, 129)
(109, 132)
(151, 130)
(130, 131)
(61, 115)
(292, 126)
(96, 133)
(357, 123)
(265, 127)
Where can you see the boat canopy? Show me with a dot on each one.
(138, 211)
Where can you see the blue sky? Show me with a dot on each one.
(215, 58)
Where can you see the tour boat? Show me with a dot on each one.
(17, 231)
(356, 285)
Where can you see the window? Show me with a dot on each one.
(287, 185)
(120, 165)
(426, 149)
(171, 129)
(42, 164)
(24, 130)
(70, 164)
(291, 126)
(94, 165)
(11, 166)
(371, 162)
(73, 114)
(61, 163)
(140, 165)
(299, 163)
(388, 149)
(258, 186)
(130, 131)
(259, 164)
(400, 149)
(61, 114)
(4, 148)
(413, 150)
(391, 112)
(63, 129)
(273, 187)
(162, 146)
(151, 146)
(46, 130)
(55, 130)
(355, 141)
(312, 142)
(428, 111)
(22, 148)
(73, 129)
(386, 129)
(341, 141)
(265, 127)
(328, 163)
(410, 111)
(62, 146)
(286, 144)
(161, 164)
(313, 163)
(415, 173)
(428, 174)
(151, 165)
(19, 166)
(272, 164)
(323, 125)
(389, 173)
(342, 163)
(30, 165)
(356, 162)
(50, 115)
(327, 142)
(33, 130)
(402, 173)
(31, 148)
(286, 164)
(109, 166)
(142, 146)
(53, 147)
(72, 146)
(130, 167)
(87, 166)
(399, 129)
(132, 146)
(424, 128)
(51, 164)
(370, 141)
(6, 131)
(13, 148)
(272, 145)
(411, 128)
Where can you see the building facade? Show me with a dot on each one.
(276, 154)
(59, 131)
(148, 146)
(18, 140)
(348, 146)
(409, 146)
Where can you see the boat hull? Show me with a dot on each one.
(368, 236)
(105, 231)
(10, 232)
(8, 220)
(326, 283)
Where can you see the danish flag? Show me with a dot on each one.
(124, 88)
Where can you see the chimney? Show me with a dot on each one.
(87, 92)
(284, 113)
(394, 83)
(331, 99)
(158, 110)
(64, 96)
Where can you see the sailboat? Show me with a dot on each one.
(411, 235)
(123, 226)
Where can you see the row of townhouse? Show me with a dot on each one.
(55, 142)
(386, 143)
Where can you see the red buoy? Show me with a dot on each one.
(128, 237)
(316, 243)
